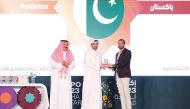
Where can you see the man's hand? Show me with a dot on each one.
(102, 66)
(66, 64)
(109, 65)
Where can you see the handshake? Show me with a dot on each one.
(106, 65)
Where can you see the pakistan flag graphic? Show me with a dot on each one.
(103, 17)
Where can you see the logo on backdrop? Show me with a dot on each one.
(108, 20)
(103, 17)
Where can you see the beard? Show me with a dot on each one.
(120, 47)
(65, 48)
(95, 48)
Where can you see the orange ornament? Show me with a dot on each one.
(5, 98)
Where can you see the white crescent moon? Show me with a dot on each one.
(99, 17)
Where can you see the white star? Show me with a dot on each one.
(112, 2)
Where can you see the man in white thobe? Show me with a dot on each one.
(92, 93)
(62, 61)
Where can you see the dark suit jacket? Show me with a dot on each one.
(122, 65)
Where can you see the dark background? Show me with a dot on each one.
(151, 92)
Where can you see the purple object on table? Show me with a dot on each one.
(12, 97)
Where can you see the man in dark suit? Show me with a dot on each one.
(123, 73)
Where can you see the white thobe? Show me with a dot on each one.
(92, 93)
(61, 88)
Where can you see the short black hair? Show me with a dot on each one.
(122, 40)
(64, 41)
(96, 41)
(93, 41)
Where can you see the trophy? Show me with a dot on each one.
(1, 80)
(7, 79)
(14, 80)
(106, 62)
(32, 77)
